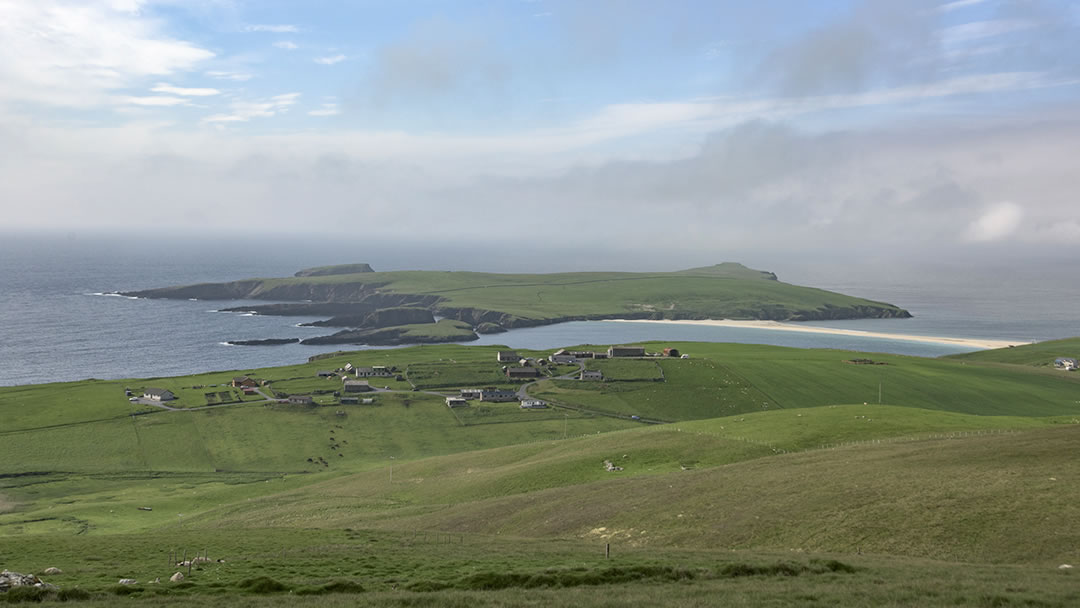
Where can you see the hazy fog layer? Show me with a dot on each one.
(706, 131)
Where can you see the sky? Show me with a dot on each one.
(896, 128)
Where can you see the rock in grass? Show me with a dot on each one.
(1065, 567)
(176, 578)
(9, 580)
(128, 581)
(53, 571)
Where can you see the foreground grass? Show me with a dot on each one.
(362, 567)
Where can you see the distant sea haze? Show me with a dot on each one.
(57, 325)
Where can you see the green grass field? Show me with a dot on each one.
(959, 489)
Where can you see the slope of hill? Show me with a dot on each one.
(407, 492)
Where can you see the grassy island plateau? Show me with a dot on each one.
(412, 307)
(601, 475)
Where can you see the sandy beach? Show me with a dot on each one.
(974, 343)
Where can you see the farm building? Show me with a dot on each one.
(453, 402)
(471, 393)
(517, 373)
(507, 356)
(357, 386)
(244, 382)
(533, 404)
(326, 373)
(346, 400)
(158, 394)
(626, 351)
(593, 375)
(301, 400)
(497, 394)
(562, 356)
(1066, 363)
(671, 352)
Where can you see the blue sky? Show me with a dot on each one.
(949, 123)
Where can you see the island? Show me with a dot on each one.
(417, 306)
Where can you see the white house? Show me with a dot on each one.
(533, 404)
(158, 394)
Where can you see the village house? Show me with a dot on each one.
(533, 404)
(158, 394)
(562, 357)
(357, 386)
(493, 394)
(471, 393)
(326, 373)
(507, 356)
(347, 400)
(626, 351)
(519, 373)
(301, 399)
(453, 402)
(1066, 363)
(589, 374)
(244, 382)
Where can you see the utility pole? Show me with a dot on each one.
(391, 470)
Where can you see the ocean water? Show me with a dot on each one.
(55, 324)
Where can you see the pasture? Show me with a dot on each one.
(959, 488)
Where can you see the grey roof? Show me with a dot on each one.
(156, 391)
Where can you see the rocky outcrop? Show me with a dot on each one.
(235, 290)
(390, 336)
(9, 580)
(830, 313)
(266, 342)
(325, 271)
(306, 309)
(383, 317)
(490, 328)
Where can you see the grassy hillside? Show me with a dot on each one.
(1040, 354)
(968, 462)
(729, 379)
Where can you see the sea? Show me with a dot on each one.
(58, 321)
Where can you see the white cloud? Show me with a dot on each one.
(243, 111)
(286, 44)
(75, 54)
(330, 60)
(995, 223)
(327, 109)
(978, 30)
(958, 4)
(223, 75)
(277, 29)
(155, 100)
(165, 87)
